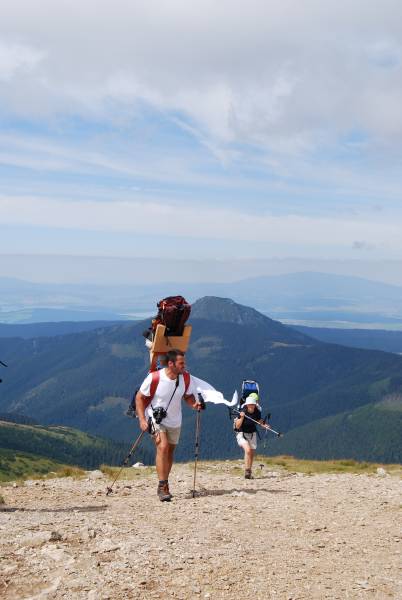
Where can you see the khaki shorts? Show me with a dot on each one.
(172, 433)
(247, 439)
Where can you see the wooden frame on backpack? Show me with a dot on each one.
(163, 343)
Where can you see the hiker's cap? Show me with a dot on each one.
(252, 399)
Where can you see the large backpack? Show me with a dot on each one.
(173, 312)
(248, 387)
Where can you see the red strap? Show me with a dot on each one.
(186, 377)
(154, 384)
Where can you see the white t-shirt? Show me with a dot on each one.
(164, 391)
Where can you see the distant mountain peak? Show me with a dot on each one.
(214, 308)
(225, 310)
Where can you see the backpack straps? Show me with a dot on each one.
(186, 378)
(154, 384)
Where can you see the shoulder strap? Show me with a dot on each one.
(186, 378)
(154, 384)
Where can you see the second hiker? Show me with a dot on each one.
(246, 431)
(159, 400)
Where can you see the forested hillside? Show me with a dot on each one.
(369, 431)
(85, 380)
(15, 464)
(63, 444)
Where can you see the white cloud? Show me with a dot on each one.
(17, 59)
(181, 220)
(297, 103)
(244, 71)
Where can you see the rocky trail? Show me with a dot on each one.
(280, 535)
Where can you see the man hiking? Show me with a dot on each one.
(162, 406)
(246, 431)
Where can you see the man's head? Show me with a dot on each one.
(175, 361)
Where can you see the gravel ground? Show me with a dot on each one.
(280, 535)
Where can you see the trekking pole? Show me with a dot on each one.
(277, 433)
(197, 439)
(125, 462)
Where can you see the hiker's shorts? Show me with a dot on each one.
(247, 440)
(172, 433)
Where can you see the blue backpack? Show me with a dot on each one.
(248, 387)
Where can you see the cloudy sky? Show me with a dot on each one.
(202, 129)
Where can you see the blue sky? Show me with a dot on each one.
(203, 130)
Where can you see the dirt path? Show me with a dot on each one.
(281, 535)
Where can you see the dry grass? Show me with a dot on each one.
(66, 471)
(297, 465)
(75, 472)
(309, 467)
(128, 473)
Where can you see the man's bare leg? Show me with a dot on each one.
(171, 449)
(163, 461)
(248, 460)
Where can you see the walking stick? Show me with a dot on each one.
(277, 433)
(125, 461)
(197, 445)
(197, 439)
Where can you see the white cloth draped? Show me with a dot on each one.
(210, 394)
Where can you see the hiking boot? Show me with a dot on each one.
(247, 474)
(163, 493)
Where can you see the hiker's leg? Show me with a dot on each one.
(171, 449)
(248, 456)
(251, 458)
(243, 443)
(173, 436)
(162, 456)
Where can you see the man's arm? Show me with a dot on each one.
(141, 403)
(192, 402)
(192, 398)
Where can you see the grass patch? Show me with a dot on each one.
(128, 473)
(310, 467)
(18, 466)
(67, 471)
(63, 445)
(296, 465)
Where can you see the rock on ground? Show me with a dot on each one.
(279, 536)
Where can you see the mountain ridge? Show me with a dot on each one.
(85, 380)
(226, 310)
